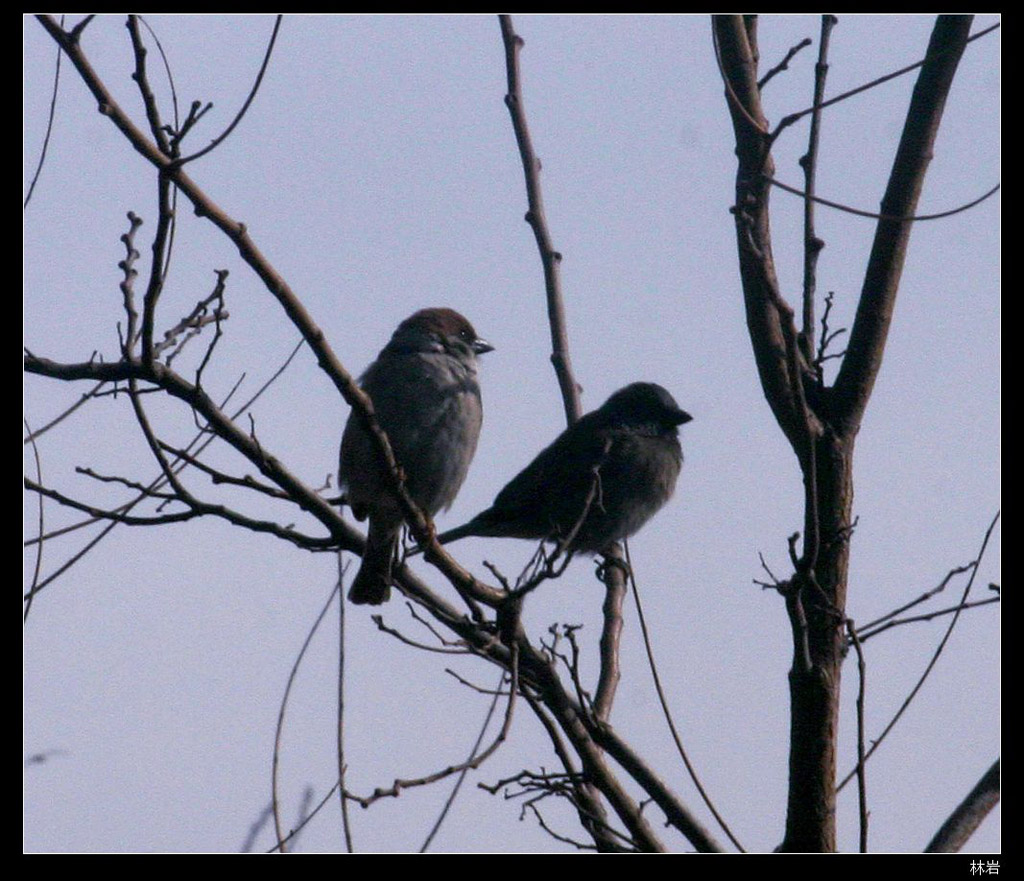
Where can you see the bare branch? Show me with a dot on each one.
(677, 815)
(961, 824)
(585, 799)
(279, 728)
(255, 828)
(157, 482)
(39, 432)
(170, 80)
(293, 834)
(219, 477)
(862, 797)
(864, 352)
(225, 428)
(809, 162)
(784, 64)
(550, 258)
(613, 804)
(935, 656)
(475, 760)
(927, 616)
(769, 317)
(826, 339)
(874, 215)
(795, 117)
(156, 126)
(127, 267)
(195, 509)
(462, 774)
(579, 845)
(293, 307)
(405, 640)
(690, 769)
(615, 583)
(34, 587)
(245, 107)
(49, 128)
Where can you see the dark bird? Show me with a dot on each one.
(601, 479)
(427, 399)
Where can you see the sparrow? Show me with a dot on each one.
(426, 397)
(600, 480)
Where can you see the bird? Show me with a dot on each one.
(426, 397)
(598, 482)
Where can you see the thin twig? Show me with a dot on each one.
(531, 806)
(927, 595)
(157, 482)
(862, 797)
(279, 728)
(462, 775)
(874, 215)
(218, 316)
(256, 827)
(129, 273)
(195, 509)
(156, 126)
(193, 323)
(550, 258)
(167, 70)
(160, 249)
(935, 656)
(472, 686)
(584, 799)
(49, 127)
(124, 481)
(346, 823)
(294, 832)
(39, 432)
(401, 637)
(39, 551)
(784, 64)
(924, 616)
(652, 665)
(475, 761)
(809, 161)
(795, 117)
(219, 477)
(245, 107)
(826, 339)
(170, 147)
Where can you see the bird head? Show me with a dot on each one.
(644, 403)
(440, 330)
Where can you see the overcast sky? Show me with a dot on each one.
(378, 171)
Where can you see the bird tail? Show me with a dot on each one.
(372, 584)
(457, 533)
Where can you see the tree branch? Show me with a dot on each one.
(968, 815)
(866, 347)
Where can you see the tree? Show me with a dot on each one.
(232, 329)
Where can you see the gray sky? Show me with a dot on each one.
(378, 171)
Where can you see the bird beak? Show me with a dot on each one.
(480, 346)
(682, 417)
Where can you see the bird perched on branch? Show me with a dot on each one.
(426, 397)
(601, 479)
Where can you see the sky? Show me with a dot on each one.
(377, 170)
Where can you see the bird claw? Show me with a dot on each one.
(609, 563)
